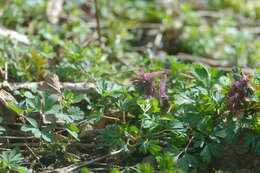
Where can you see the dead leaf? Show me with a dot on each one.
(54, 10)
(8, 114)
(52, 85)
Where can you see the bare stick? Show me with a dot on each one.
(16, 137)
(6, 72)
(13, 124)
(216, 64)
(5, 149)
(82, 86)
(43, 167)
(75, 166)
(19, 145)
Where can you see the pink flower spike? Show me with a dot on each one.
(141, 70)
(149, 76)
(235, 83)
(163, 87)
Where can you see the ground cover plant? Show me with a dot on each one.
(129, 86)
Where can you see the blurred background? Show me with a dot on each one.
(40, 35)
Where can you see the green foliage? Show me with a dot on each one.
(185, 132)
(84, 170)
(145, 168)
(10, 161)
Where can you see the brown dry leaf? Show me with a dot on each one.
(8, 114)
(52, 85)
(14, 36)
(54, 10)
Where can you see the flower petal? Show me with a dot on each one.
(148, 76)
(163, 87)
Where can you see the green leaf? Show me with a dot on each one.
(12, 158)
(64, 117)
(202, 73)
(221, 133)
(14, 107)
(124, 104)
(257, 147)
(29, 95)
(2, 129)
(54, 109)
(21, 169)
(145, 168)
(37, 133)
(205, 153)
(73, 134)
(35, 104)
(199, 144)
(49, 101)
(33, 122)
(155, 105)
(78, 98)
(27, 128)
(84, 170)
(75, 113)
(73, 128)
(165, 162)
(177, 126)
(249, 139)
(115, 171)
(216, 149)
(50, 127)
(187, 161)
(183, 98)
(154, 149)
(48, 137)
(144, 105)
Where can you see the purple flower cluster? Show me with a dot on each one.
(238, 94)
(147, 83)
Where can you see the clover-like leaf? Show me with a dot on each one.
(75, 113)
(48, 136)
(33, 122)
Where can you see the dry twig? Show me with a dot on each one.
(38, 159)
(15, 36)
(82, 86)
(76, 166)
(217, 64)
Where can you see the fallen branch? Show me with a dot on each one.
(212, 14)
(216, 64)
(11, 145)
(15, 36)
(82, 86)
(17, 137)
(76, 166)
(199, 59)
(253, 30)
(241, 19)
